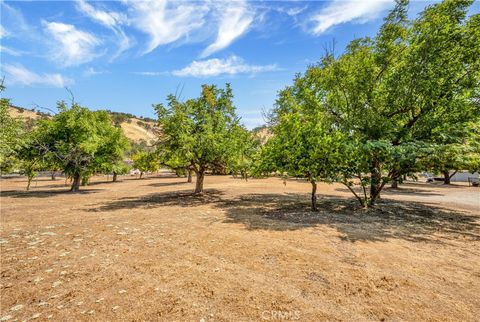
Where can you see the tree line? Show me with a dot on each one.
(404, 101)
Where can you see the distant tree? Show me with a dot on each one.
(199, 134)
(111, 154)
(145, 161)
(244, 152)
(453, 152)
(31, 162)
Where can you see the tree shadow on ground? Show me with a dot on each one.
(410, 221)
(397, 191)
(186, 198)
(440, 185)
(45, 193)
(166, 184)
(406, 220)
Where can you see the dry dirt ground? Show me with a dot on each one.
(147, 250)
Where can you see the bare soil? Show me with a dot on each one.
(147, 250)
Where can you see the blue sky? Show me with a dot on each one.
(127, 55)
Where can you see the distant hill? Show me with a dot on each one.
(263, 133)
(137, 130)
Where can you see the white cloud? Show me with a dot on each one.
(3, 32)
(343, 11)
(290, 11)
(73, 46)
(166, 23)
(214, 67)
(92, 72)
(295, 11)
(17, 74)
(236, 18)
(13, 19)
(151, 73)
(109, 19)
(9, 51)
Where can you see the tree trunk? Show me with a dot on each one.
(395, 183)
(314, 195)
(446, 175)
(76, 183)
(199, 183)
(189, 178)
(29, 182)
(141, 175)
(375, 184)
(114, 177)
(53, 175)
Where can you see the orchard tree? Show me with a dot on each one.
(10, 135)
(453, 152)
(245, 148)
(414, 81)
(78, 141)
(111, 155)
(30, 157)
(200, 133)
(145, 161)
(303, 144)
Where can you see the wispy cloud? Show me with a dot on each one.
(13, 19)
(110, 19)
(17, 74)
(343, 11)
(165, 22)
(92, 72)
(9, 51)
(151, 73)
(3, 32)
(215, 67)
(291, 11)
(236, 18)
(72, 46)
(107, 18)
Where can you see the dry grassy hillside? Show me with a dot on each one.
(23, 113)
(136, 130)
(263, 133)
(139, 130)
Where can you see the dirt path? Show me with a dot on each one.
(245, 251)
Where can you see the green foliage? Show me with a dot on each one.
(397, 94)
(202, 134)
(30, 158)
(80, 142)
(111, 154)
(303, 144)
(10, 135)
(145, 162)
(244, 151)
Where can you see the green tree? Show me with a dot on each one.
(244, 152)
(78, 141)
(199, 134)
(453, 152)
(111, 154)
(411, 83)
(10, 135)
(145, 161)
(303, 144)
